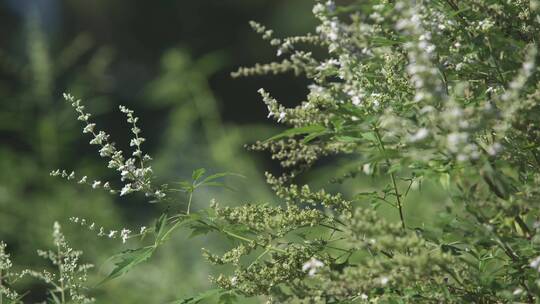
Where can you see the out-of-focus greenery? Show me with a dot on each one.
(184, 114)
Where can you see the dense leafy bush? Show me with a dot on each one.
(411, 92)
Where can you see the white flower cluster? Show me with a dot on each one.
(71, 276)
(134, 171)
(274, 108)
(124, 234)
(5, 265)
(330, 28)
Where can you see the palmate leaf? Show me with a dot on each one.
(200, 228)
(129, 259)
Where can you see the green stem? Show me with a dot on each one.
(398, 198)
(61, 273)
(523, 226)
(393, 178)
(189, 201)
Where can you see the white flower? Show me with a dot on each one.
(367, 169)
(96, 184)
(83, 180)
(89, 128)
(384, 280)
(159, 194)
(535, 263)
(421, 134)
(364, 296)
(311, 266)
(126, 190)
(124, 234)
(99, 138)
(143, 229)
(136, 141)
(112, 234)
(356, 100)
(281, 116)
(494, 149)
(318, 8)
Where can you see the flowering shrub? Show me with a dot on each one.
(410, 92)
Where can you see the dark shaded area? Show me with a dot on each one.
(140, 31)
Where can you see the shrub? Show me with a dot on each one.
(410, 92)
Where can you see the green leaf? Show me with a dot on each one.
(198, 174)
(348, 139)
(202, 296)
(161, 223)
(370, 136)
(444, 179)
(312, 136)
(228, 298)
(298, 131)
(128, 260)
(218, 184)
(200, 228)
(218, 175)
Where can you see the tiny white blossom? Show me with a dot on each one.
(124, 234)
(421, 134)
(89, 128)
(311, 266)
(96, 184)
(126, 190)
(281, 116)
(535, 263)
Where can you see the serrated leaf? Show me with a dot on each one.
(200, 228)
(128, 260)
(161, 223)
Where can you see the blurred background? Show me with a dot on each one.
(170, 61)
